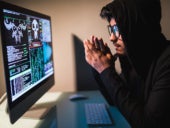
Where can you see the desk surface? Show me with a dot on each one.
(67, 114)
(71, 114)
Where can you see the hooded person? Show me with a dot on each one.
(142, 91)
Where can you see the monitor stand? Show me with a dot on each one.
(40, 109)
(37, 112)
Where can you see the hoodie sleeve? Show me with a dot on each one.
(101, 87)
(154, 112)
(120, 95)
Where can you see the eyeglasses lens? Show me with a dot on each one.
(114, 29)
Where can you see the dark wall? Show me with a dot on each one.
(84, 76)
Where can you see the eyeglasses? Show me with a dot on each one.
(114, 29)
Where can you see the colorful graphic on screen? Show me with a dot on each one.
(29, 51)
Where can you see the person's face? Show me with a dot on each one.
(116, 38)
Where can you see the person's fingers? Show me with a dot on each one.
(102, 46)
(93, 39)
(89, 45)
(97, 43)
(86, 47)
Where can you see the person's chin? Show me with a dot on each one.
(119, 52)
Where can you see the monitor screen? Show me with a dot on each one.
(26, 41)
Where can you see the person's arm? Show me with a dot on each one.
(155, 111)
(101, 87)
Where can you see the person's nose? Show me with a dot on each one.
(113, 38)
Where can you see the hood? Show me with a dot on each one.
(139, 25)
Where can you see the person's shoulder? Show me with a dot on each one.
(167, 50)
(165, 56)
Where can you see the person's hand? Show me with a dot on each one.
(98, 54)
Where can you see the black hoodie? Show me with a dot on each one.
(144, 96)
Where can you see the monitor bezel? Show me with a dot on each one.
(29, 98)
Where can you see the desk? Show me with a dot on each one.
(66, 113)
(71, 114)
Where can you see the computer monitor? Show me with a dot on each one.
(27, 56)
